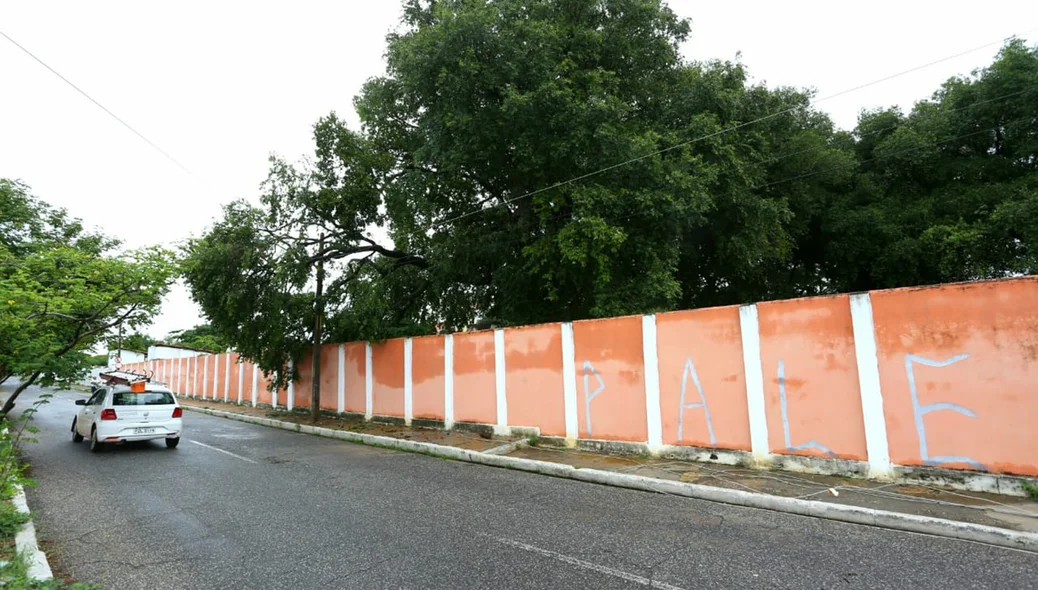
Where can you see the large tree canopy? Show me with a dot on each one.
(486, 107)
(547, 160)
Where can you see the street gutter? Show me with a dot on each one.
(838, 512)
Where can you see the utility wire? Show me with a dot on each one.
(99, 105)
(724, 131)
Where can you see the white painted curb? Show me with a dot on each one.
(840, 512)
(25, 542)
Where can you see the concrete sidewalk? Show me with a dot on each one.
(1005, 512)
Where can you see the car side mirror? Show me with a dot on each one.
(81, 402)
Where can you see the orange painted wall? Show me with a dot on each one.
(304, 383)
(533, 378)
(613, 349)
(235, 372)
(996, 326)
(214, 380)
(203, 383)
(194, 374)
(708, 342)
(245, 368)
(186, 386)
(355, 376)
(814, 340)
(387, 368)
(427, 394)
(182, 374)
(330, 377)
(226, 385)
(475, 389)
(263, 394)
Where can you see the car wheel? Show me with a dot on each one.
(76, 436)
(171, 443)
(95, 445)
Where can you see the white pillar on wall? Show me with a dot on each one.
(448, 381)
(408, 386)
(369, 382)
(227, 378)
(750, 329)
(274, 393)
(500, 381)
(178, 387)
(255, 385)
(216, 377)
(205, 375)
(569, 385)
(652, 384)
(291, 402)
(868, 384)
(342, 379)
(241, 380)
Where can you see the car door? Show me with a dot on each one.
(90, 411)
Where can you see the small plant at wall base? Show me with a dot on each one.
(1032, 490)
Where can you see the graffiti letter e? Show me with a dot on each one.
(919, 411)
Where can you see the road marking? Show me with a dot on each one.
(588, 565)
(246, 459)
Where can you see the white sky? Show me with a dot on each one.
(220, 85)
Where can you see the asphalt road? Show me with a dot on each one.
(242, 506)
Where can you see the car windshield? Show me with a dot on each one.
(147, 398)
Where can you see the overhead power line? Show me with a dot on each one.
(725, 131)
(99, 105)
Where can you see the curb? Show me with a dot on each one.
(25, 542)
(852, 514)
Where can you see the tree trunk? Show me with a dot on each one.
(315, 389)
(9, 404)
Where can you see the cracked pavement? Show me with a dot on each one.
(329, 514)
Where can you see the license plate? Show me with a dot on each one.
(143, 430)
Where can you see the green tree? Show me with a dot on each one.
(486, 107)
(136, 341)
(948, 192)
(62, 291)
(202, 336)
(259, 273)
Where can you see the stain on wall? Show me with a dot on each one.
(427, 382)
(387, 367)
(355, 377)
(475, 388)
(533, 381)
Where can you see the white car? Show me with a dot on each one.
(129, 412)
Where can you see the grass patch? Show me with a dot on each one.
(1032, 490)
(15, 575)
(11, 520)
